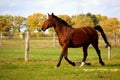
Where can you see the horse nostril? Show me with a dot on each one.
(42, 29)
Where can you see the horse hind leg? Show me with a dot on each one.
(85, 54)
(98, 53)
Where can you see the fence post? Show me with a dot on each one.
(54, 41)
(109, 52)
(115, 38)
(0, 38)
(27, 46)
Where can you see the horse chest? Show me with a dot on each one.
(63, 39)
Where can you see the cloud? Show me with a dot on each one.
(12, 4)
(70, 7)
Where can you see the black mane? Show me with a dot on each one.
(62, 21)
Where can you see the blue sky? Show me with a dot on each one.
(110, 8)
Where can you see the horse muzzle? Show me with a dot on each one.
(43, 29)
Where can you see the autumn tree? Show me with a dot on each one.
(5, 25)
(35, 21)
(18, 22)
(100, 18)
(81, 21)
(93, 17)
(110, 25)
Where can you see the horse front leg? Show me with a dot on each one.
(65, 51)
(70, 62)
(60, 59)
(64, 54)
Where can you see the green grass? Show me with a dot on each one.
(43, 58)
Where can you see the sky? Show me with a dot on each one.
(110, 8)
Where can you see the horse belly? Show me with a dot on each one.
(79, 40)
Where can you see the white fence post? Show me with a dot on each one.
(109, 52)
(27, 46)
(0, 38)
(54, 41)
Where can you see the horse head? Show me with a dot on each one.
(49, 22)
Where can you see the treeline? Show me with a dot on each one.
(16, 25)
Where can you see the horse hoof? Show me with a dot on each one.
(87, 63)
(73, 64)
(82, 64)
(102, 63)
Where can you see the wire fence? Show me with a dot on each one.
(48, 41)
(19, 42)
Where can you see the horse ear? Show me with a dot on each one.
(48, 14)
(52, 14)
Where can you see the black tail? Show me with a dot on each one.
(99, 28)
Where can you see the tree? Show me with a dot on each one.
(35, 21)
(5, 26)
(93, 17)
(100, 18)
(110, 25)
(18, 22)
(81, 20)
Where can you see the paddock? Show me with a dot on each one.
(43, 57)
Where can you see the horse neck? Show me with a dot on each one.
(61, 29)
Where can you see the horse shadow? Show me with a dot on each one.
(113, 65)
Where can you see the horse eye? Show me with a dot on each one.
(48, 20)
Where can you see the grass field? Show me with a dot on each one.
(43, 58)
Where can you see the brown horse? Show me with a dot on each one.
(71, 37)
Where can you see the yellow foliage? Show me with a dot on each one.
(35, 21)
(110, 25)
